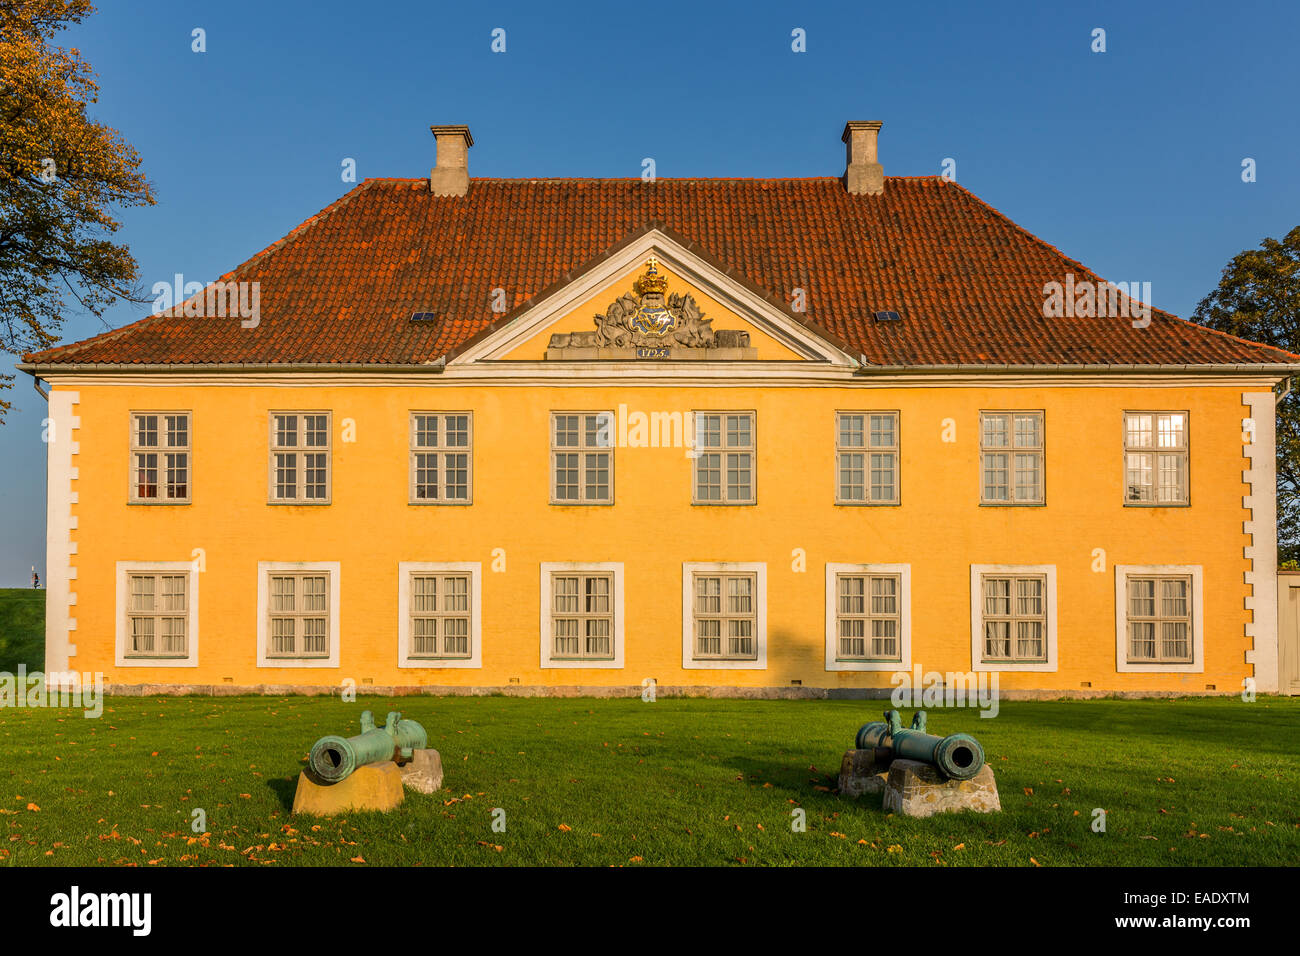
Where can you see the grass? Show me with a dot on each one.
(22, 628)
(611, 782)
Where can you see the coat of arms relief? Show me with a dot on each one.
(649, 323)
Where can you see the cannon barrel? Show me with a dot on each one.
(334, 758)
(958, 756)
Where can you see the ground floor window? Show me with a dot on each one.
(297, 609)
(582, 615)
(438, 614)
(157, 614)
(724, 615)
(1158, 618)
(868, 618)
(1013, 617)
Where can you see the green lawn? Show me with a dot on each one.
(22, 628)
(611, 782)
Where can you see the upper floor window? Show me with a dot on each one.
(160, 457)
(1155, 458)
(582, 458)
(724, 463)
(441, 458)
(1011, 457)
(866, 452)
(300, 457)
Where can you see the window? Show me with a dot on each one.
(724, 615)
(160, 457)
(1158, 618)
(866, 458)
(1011, 446)
(441, 449)
(582, 615)
(300, 457)
(439, 606)
(1013, 618)
(868, 616)
(157, 620)
(1155, 458)
(724, 476)
(581, 474)
(298, 614)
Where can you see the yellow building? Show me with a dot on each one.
(755, 436)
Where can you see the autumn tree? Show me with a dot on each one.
(1258, 298)
(62, 176)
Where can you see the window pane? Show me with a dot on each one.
(997, 431)
(852, 431)
(882, 431)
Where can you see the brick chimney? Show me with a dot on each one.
(450, 174)
(863, 173)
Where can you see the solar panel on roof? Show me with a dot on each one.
(424, 316)
(888, 317)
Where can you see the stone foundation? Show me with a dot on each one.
(375, 786)
(860, 774)
(423, 772)
(916, 789)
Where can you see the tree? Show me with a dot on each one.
(1258, 298)
(62, 176)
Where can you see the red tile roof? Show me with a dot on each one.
(968, 282)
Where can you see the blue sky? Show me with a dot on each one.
(1128, 160)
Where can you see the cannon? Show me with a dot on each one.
(334, 758)
(958, 756)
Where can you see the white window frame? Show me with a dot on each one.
(582, 451)
(1122, 574)
(441, 451)
(866, 450)
(698, 451)
(264, 571)
(904, 574)
(1011, 450)
(551, 568)
(123, 633)
(1156, 452)
(474, 571)
(299, 451)
(161, 450)
(977, 572)
(689, 570)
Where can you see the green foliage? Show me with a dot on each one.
(62, 175)
(1258, 298)
(1189, 782)
(22, 628)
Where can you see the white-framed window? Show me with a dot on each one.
(868, 617)
(439, 614)
(442, 458)
(300, 458)
(582, 614)
(157, 614)
(582, 458)
(1159, 619)
(160, 458)
(298, 614)
(866, 458)
(1013, 617)
(724, 615)
(724, 458)
(1156, 458)
(1011, 458)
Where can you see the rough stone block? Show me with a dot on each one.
(423, 771)
(916, 789)
(860, 774)
(376, 786)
